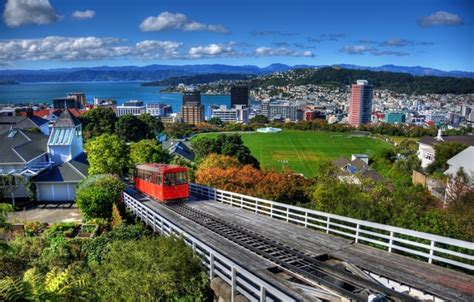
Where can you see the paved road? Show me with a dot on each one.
(49, 213)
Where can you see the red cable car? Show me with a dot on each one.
(162, 182)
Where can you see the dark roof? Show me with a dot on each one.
(182, 150)
(340, 162)
(372, 174)
(359, 164)
(464, 139)
(66, 119)
(72, 171)
(20, 122)
(21, 146)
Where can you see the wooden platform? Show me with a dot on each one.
(449, 284)
(252, 262)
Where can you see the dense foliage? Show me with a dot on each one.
(98, 121)
(156, 269)
(396, 82)
(107, 154)
(230, 145)
(130, 128)
(444, 151)
(97, 193)
(123, 264)
(227, 173)
(148, 151)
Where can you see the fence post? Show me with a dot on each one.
(357, 234)
(430, 259)
(263, 294)
(287, 214)
(211, 266)
(306, 219)
(234, 284)
(390, 242)
(256, 206)
(328, 220)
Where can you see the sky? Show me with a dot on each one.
(40, 34)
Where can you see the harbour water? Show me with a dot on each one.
(120, 91)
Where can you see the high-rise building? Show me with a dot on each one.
(192, 111)
(191, 96)
(158, 109)
(80, 97)
(282, 110)
(66, 102)
(239, 95)
(360, 106)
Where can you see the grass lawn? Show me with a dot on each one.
(304, 150)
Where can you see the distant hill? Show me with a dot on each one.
(199, 79)
(393, 81)
(159, 72)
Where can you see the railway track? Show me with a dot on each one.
(337, 280)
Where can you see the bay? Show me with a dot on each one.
(35, 93)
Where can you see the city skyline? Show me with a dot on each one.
(39, 34)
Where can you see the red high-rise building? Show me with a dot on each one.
(360, 108)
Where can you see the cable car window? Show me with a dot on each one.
(181, 178)
(170, 180)
(159, 179)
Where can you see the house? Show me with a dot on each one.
(55, 164)
(426, 146)
(8, 123)
(463, 160)
(352, 170)
(179, 147)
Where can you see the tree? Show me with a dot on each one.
(230, 145)
(8, 185)
(259, 119)
(96, 194)
(159, 268)
(107, 154)
(214, 160)
(131, 129)
(148, 151)
(216, 121)
(98, 121)
(4, 209)
(443, 152)
(155, 126)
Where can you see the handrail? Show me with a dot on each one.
(428, 246)
(241, 280)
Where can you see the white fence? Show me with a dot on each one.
(433, 248)
(241, 280)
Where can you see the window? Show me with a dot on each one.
(170, 180)
(181, 178)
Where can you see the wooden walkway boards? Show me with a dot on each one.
(449, 284)
(252, 262)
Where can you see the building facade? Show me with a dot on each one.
(239, 95)
(131, 107)
(282, 110)
(360, 107)
(192, 111)
(66, 102)
(395, 117)
(158, 110)
(239, 113)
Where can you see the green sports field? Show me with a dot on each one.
(304, 150)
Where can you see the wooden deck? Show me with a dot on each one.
(448, 284)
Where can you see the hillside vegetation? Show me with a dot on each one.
(396, 82)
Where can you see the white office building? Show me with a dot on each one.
(131, 107)
(239, 113)
(158, 110)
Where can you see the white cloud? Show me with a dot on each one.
(440, 18)
(167, 20)
(281, 51)
(83, 15)
(356, 49)
(211, 50)
(23, 12)
(83, 49)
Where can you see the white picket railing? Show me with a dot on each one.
(393, 239)
(241, 280)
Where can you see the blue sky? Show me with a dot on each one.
(69, 33)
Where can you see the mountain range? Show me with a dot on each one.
(158, 72)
